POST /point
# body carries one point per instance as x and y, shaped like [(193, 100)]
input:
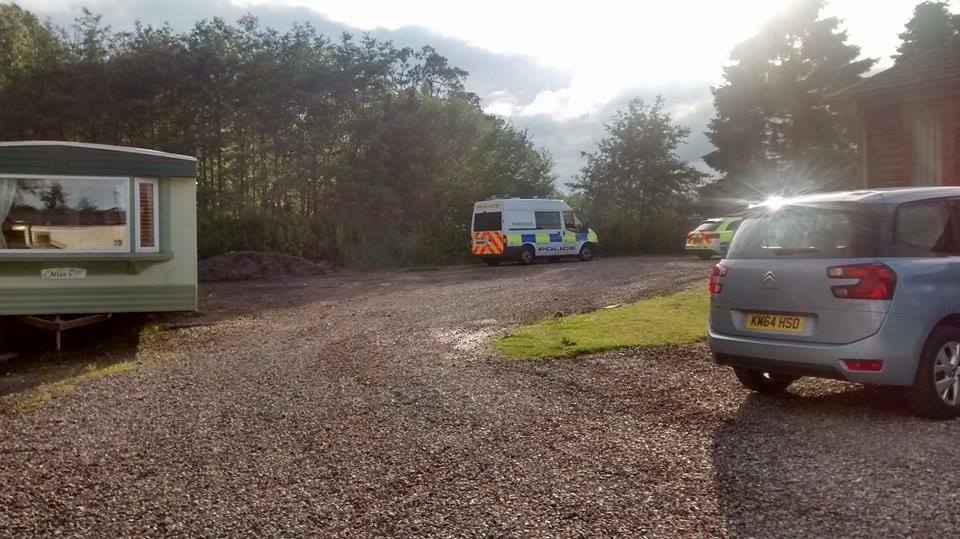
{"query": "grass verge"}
[(673, 319)]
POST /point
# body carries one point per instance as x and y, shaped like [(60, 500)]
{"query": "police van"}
[(522, 229)]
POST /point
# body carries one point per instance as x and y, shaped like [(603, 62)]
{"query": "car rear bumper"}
[(898, 343)]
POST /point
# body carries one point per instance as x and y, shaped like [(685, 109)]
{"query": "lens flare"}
[(774, 202)]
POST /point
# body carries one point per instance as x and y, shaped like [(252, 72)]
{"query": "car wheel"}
[(526, 256), (763, 382), (936, 389), (492, 261), (586, 252)]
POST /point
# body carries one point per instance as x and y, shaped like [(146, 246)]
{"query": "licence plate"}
[(781, 323)]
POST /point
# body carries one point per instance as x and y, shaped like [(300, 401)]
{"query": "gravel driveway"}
[(372, 404)]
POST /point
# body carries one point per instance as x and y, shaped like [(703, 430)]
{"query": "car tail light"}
[(716, 277), (874, 281), (863, 365)]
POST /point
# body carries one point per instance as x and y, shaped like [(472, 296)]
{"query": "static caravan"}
[(94, 229)]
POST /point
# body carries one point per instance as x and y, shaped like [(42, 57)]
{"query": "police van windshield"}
[(809, 231), (486, 222)]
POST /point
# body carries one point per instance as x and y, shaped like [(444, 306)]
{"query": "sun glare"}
[(774, 202)]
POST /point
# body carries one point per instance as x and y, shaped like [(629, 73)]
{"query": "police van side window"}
[(570, 221), (548, 220)]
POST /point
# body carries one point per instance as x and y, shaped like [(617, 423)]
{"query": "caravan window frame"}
[(125, 248), (137, 182)]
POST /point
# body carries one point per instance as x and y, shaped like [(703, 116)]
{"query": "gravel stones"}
[(364, 405)]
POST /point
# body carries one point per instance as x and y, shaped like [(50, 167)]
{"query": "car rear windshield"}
[(809, 231), (707, 226), (486, 222)]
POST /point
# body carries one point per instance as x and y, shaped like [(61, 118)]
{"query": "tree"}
[(349, 149), (53, 197), (25, 42), (635, 188), (932, 24), (85, 205), (774, 133)]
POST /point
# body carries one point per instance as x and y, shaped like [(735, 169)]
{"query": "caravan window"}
[(71, 215), (548, 220), (487, 222), (148, 223)]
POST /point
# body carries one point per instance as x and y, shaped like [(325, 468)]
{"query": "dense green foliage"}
[(359, 152), (932, 24), (774, 131), (634, 188), (352, 150)]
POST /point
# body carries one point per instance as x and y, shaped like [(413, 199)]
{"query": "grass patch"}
[(48, 391), (677, 318)]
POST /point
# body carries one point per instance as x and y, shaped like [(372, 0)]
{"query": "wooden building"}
[(909, 120)]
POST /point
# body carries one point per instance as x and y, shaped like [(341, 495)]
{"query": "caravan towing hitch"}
[(59, 325)]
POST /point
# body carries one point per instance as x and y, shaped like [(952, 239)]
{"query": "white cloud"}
[(607, 45), (502, 103)]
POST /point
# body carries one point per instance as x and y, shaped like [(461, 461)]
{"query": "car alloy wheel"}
[(946, 370)]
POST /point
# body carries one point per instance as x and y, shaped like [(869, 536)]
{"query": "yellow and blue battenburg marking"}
[(493, 242)]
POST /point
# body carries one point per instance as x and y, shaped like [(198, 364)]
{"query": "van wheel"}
[(936, 389), (526, 256), (492, 261), (763, 382), (586, 252)]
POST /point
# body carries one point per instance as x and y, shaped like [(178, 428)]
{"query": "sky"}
[(558, 69)]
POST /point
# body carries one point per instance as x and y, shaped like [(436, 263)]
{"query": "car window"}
[(548, 220), (925, 227), (734, 225), (834, 231), (486, 222), (707, 226)]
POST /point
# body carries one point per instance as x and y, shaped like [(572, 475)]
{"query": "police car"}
[(523, 229), (712, 237)]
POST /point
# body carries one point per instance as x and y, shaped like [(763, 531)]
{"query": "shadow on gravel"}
[(851, 461), (88, 350)]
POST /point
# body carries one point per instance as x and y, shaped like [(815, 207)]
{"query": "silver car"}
[(861, 286)]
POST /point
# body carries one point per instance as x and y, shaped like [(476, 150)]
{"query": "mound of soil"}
[(246, 265)]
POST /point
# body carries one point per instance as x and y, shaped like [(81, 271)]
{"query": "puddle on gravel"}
[(468, 339)]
